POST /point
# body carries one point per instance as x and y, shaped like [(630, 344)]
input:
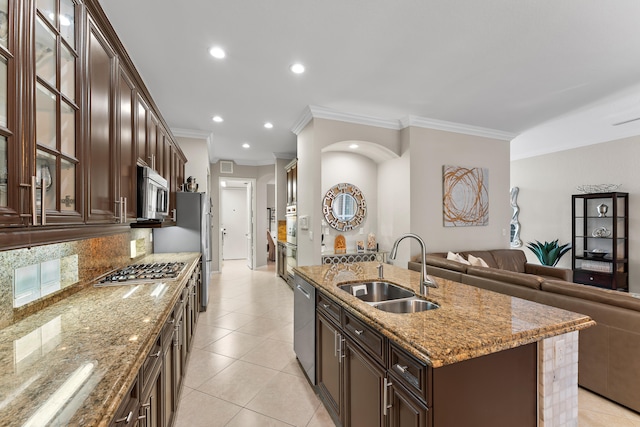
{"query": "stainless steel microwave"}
[(153, 195)]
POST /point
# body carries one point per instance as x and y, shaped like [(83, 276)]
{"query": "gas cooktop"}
[(142, 273)]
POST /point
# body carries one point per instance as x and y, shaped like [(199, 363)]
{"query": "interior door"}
[(234, 214)]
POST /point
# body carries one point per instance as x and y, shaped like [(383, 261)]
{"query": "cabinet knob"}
[(359, 331)]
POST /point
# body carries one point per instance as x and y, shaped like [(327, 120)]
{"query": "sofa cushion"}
[(605, 296), (546, 272), (522, 279), (441, 262), (510, 259)]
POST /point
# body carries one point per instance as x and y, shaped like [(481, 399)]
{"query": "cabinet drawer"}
[(366, 337), (409, 371), (151, 362), (328, 306), (592, 278)]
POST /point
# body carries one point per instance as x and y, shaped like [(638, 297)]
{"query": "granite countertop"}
[(470, 322), (85, 350)]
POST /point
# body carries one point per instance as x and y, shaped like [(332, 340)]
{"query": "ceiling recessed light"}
[(217, 119), (297, 68), (217, 52), (353, 146), (245, 145), (268, 125)]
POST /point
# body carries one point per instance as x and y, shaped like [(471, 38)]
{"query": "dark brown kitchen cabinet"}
[(329, 367), (151, 411), (58, 150), (11, 150), (126, 180), (141, 125), (101, 168), (292, 182), (75, 117), (127, 412), (282, 260), (404, 409), (364, 382)]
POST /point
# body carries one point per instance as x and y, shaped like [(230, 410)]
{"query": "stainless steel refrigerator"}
[(192, 233)]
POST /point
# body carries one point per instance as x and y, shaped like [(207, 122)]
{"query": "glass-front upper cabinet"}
[(8, 149), (56, 110)]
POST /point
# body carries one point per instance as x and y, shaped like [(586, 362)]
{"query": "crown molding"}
[(329, 114), (426, 123), (302, 121), (316, 112), (192, 133)]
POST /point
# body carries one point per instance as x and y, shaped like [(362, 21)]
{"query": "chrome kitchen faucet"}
[(426, 282)]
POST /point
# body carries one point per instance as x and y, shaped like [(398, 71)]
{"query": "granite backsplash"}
[(81, 261)]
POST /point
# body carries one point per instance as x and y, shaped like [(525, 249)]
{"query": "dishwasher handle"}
[(305, 293)]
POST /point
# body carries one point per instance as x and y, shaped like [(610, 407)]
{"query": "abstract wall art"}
[(465, 196)]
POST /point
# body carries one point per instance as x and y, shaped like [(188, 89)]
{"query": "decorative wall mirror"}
[(344, 207)]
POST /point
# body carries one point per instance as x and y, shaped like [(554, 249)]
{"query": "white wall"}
[(263, 175), (430, 151), (362, 172), (394, 205), (547, 182), (197, 164)]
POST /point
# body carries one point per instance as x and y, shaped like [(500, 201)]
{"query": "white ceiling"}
[(510, 65)]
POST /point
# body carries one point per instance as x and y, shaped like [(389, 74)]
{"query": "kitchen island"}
[(479, 359), (77, 361)]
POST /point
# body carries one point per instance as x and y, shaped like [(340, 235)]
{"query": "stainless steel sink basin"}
[(409, 305), (376, 291)]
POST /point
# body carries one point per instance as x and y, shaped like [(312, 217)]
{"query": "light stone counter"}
[(84, 352), (470, 322)]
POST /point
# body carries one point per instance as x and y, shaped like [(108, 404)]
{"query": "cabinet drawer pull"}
[(401, 368), (326, 306), (126, 419), (359, 331), (156, 354)]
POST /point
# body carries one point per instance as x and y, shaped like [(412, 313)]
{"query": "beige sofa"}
[(609, 353)]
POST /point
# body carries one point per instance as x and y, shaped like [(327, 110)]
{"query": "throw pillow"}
[(457, 257), (477, 261)]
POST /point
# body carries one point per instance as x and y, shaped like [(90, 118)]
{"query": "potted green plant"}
[(549, 253)]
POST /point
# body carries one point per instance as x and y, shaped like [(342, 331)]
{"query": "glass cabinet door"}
[(56, 109), (7, 200)]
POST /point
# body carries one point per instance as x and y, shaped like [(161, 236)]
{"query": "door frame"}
[(252, 208)]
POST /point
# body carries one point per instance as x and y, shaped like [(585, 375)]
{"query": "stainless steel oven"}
[(292, 258), (292, 225)]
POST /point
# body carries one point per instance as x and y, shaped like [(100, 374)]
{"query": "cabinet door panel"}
[(364, 382), (127, 176), (405, 409), (329, 366), (142, 130), (100, 145)]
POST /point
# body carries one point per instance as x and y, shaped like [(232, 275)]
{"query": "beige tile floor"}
[(243, 372)]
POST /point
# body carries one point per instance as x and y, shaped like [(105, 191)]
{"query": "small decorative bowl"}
[(596, 255)]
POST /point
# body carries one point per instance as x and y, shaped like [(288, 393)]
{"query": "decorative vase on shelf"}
[(602, 210)]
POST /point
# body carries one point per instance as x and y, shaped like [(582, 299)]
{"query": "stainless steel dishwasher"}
[(304, 326)]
